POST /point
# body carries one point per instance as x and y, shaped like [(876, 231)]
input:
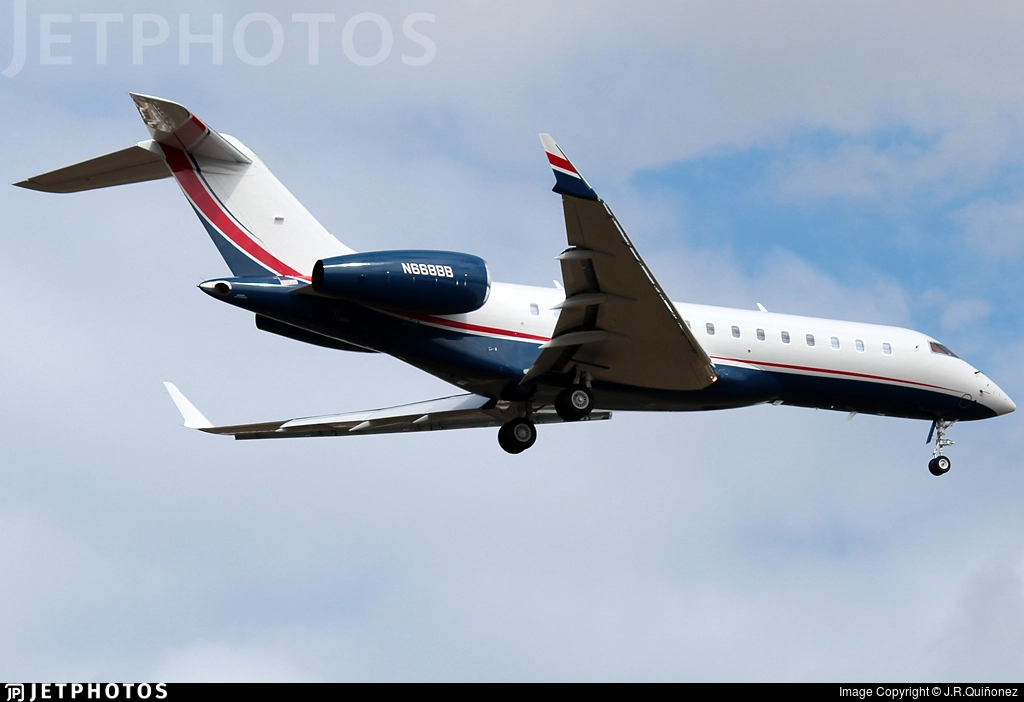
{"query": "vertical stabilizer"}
[(257, 224)]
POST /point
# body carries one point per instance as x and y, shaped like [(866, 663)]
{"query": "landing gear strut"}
[(940, 464), (517, 436)]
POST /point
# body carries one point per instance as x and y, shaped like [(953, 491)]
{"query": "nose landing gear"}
[(940, 464)]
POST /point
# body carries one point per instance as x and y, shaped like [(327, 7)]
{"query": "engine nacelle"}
[(419, 282)]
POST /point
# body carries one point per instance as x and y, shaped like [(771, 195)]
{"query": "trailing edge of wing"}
[(455, 412)]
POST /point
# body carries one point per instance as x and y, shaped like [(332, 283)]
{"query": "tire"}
[(574, 403), (517, 436), (939, 465)]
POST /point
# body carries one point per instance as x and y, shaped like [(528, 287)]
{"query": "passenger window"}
[(939, 348), (534, 309), (835, 342), (785, 337), (810, 339), (859, 344), (760, 334), (711, 328), (887, 348), (735, 332)]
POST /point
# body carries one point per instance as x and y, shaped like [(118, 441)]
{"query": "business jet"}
[(608, 337)]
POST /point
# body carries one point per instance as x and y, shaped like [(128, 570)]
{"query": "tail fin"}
[(256, 223)]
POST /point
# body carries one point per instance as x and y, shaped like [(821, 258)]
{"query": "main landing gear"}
[(940, 464), (574, 403), (518, 435)]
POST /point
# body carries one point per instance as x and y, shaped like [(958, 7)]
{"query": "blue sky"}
[(859, 161), (743, 201)]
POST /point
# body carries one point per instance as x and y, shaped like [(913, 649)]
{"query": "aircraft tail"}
[(256, 223)]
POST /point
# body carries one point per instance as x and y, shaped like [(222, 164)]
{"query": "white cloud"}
[(251, 661), (985, 637)]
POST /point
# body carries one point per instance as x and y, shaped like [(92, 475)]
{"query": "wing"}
[(456, 412), (616, 321)]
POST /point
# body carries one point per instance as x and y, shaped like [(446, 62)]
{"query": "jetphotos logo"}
[(255, 39), (18, 692)]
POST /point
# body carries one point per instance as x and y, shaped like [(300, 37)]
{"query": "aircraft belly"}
[(740, 387), (872, 397), (735, 387), (450, 354)]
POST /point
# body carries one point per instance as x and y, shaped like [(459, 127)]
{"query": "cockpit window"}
[(939, 348)]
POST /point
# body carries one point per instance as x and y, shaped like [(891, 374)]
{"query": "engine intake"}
[(414, 281)]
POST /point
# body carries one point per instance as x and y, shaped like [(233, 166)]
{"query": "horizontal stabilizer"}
[(257, 225), (173, 125), (455, 412), (136, 164)]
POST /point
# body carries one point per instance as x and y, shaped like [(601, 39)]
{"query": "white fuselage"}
[(816, 347)]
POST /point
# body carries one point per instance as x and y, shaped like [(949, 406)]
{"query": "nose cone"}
[(993, 397), (1002, 404)]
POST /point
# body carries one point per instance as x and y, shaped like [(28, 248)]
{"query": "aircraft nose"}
[(1003, 403), (997, 400)]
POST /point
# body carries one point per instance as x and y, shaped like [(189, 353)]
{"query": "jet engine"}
[(413, 281)]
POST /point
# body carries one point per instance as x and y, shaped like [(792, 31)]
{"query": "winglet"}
[(568, 180), (194, 419)]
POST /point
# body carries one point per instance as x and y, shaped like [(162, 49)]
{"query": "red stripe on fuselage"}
[(465, 326), (829, 371), (560, 162), (189, 180)]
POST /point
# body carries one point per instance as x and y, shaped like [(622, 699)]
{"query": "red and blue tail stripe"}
[(246, 256)]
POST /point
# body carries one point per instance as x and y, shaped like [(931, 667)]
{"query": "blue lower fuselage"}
[(489, 365)]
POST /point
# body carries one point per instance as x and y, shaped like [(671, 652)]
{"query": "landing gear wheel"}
[(517, 436), (574, 403), (939, 465)]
